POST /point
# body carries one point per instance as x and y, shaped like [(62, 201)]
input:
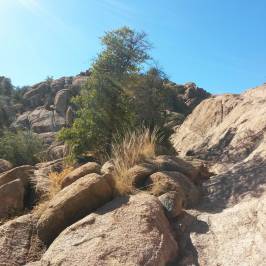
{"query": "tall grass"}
[(135, 147), (48, 187)]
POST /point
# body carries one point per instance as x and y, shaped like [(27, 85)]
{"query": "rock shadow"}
[(183, 227), (229, 188)]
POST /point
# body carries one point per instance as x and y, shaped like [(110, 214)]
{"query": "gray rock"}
[(173, 203)]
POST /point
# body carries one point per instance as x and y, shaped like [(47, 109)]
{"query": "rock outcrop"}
[(229, 132), (126, 231), (225, 129), (46, 104)]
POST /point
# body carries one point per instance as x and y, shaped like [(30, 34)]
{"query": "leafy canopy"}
[(104, 106)]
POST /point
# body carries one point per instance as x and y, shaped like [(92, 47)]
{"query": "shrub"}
[(135, 147), (21, 147)]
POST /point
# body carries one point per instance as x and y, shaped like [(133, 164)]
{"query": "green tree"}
[(6, 88), (104, 107), (149, 98)]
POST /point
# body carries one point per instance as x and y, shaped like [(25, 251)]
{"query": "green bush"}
[(21, 147)]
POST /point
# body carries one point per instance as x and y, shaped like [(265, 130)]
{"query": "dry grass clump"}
[(49, 186), (56, 180), (136, 147)]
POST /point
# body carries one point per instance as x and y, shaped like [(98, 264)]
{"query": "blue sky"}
[(219, 44)]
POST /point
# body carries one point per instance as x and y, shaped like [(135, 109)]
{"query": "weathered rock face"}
[(229, 132), (230, 226), (72, 203), (20, 172), (225, 128), (4, 165), (18, 242), (126, 231), (235, 237)]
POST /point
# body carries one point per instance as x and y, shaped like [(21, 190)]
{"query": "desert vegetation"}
[(122, 93), (136, 147), (20, 147)]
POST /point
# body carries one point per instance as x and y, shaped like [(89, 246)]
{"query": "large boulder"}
[(21, 172), (5, 165), (125, 231), (18, 242), (72, 203), (61, 101), (47, 137), (14, 185), (40, 179), (88, 168), (11, 198), (56, 151)]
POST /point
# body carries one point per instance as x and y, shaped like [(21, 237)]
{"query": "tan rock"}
[(162, 182), (226, 128), (81, 171), (5, 166), (18, 242), (235, 236), (20, 172), (72, 203), (173, 163), (126, 231), (11, 198), (61, 101)]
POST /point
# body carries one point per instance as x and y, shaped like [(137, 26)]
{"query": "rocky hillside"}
[(205, 206), (46, 107)]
